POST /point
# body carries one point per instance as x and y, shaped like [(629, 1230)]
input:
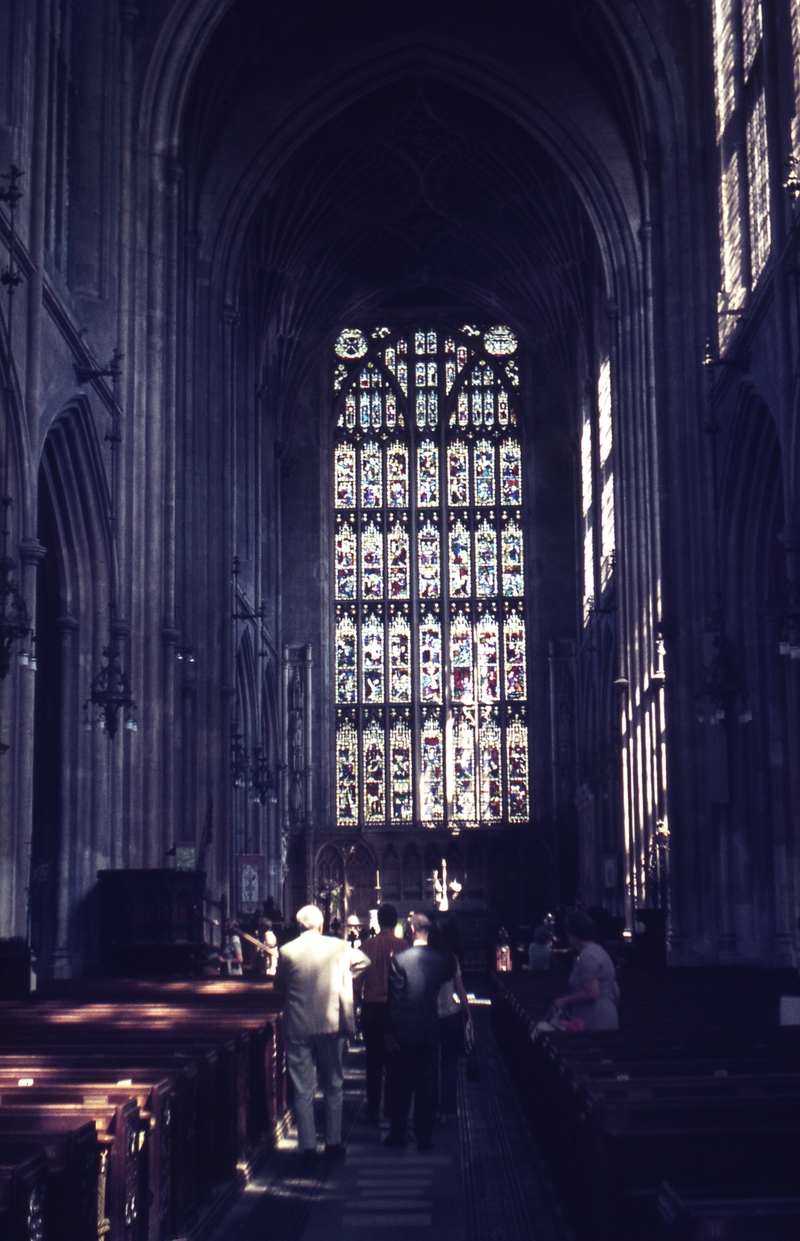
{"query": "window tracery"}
[(430, 662)]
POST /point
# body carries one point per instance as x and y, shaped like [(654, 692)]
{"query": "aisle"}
[(482, 1182)]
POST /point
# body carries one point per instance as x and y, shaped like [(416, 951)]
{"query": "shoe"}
[(335, 1150), (395, 1139), (308, 1158), (424, 1146)]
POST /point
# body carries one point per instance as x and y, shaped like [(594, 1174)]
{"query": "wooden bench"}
[(23, 1176), (705, 1101)]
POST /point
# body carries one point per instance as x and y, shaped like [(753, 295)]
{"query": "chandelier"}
[(110, 692)]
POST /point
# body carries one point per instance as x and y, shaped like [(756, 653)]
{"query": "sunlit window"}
[(587, 506), (429, 578), (605, 443), (742, 144)]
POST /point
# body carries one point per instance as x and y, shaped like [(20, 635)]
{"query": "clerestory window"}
[(430, 641)]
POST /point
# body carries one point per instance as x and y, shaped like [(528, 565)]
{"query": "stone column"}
[(31, 553), (786, 835), (60, 961)]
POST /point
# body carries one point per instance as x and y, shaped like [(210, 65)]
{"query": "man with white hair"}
[(315, 975)]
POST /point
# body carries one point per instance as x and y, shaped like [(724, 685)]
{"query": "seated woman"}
[(540, 950), (594, 993)]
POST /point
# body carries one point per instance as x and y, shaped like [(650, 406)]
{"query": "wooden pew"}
[(23, 1176), (687, 1217), (74, 1190), (705, 1095), (203, 1065)]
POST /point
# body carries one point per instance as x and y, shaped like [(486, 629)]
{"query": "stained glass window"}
[(346, 771), (400, 768), (430, 661), (346, 640)]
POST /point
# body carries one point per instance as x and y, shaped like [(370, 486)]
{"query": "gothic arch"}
[(76, 821)]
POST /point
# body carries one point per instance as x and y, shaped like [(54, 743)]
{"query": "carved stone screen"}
[(430, 644)]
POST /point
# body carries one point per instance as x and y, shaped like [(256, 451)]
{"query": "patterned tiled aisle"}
[(482, 1182)]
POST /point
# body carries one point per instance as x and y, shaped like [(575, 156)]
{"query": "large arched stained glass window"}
[(431, 673)]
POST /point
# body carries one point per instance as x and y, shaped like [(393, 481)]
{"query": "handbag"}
[(473, 1068), (552, 1022)]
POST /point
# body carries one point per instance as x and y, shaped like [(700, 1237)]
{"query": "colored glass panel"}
[(427, 474), (512, 559), (422, 410), (460, 567), (500, 341), (433, 409), (399, 660), (371, 562), (488, 409), (374, 776), (351, 343), (397, 475), (449, 374), (419, 374), (346, 773), (463, 408), (432, 770), (402, 376), (458, 474), (430, 660), (350, 411), (345, 466), (514, 656), (432, 375), (428, 556), (461, 659), (398, 562), (431, 342), (372, 660), (339, 376), (391, 410), (491, 778), (390, 357), (463, 770), (363, 410), (345, 562), (502, 407), (400, 768), (510, 473), (517, 767), (486, 561), (345, 660), (484, 472), (488, 641), (371, 476)]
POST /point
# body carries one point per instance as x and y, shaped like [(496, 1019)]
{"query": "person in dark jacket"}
[(415, 977)]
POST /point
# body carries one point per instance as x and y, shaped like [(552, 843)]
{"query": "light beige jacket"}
[(315, 974)]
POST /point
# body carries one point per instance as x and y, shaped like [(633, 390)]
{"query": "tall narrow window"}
[(430, 664), (743, 152)]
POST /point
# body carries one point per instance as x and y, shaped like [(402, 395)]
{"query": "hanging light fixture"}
[(111, 692), (15, 621)]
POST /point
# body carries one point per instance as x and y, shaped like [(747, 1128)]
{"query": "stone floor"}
[(482, 1182)]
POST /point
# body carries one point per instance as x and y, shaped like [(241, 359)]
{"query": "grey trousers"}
[(323, 1053)]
